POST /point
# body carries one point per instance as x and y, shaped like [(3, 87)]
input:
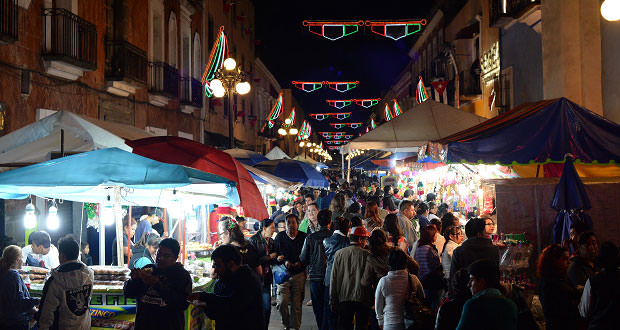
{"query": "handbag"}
[(280, 274), (416, 311)]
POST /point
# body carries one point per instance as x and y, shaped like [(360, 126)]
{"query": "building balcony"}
[(8, 21), (69, 44), (163, 83), (191, 94), (504, 12), (125, 67)]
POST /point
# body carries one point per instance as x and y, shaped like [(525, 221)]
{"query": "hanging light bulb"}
[(52, 217), (106, 213), (30, 217)]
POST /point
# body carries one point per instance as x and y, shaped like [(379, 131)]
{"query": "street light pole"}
[(231, 119)]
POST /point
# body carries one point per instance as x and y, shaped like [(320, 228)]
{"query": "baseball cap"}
[(359, 231)]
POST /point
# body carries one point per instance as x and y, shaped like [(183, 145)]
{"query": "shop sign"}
[(490, 63)]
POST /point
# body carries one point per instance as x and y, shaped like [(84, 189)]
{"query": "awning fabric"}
[(538, 133), (425, 122)]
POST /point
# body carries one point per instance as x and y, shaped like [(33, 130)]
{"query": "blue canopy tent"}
[(115, 176), (538, 133), (294, 171), (246, 157)]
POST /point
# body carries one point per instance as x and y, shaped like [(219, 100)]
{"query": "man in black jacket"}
[(238, 289), (333, 244), (263, 243), (475, 247), (313, 255), (161, 290)]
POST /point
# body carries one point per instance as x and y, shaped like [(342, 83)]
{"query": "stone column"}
[(571, 49)]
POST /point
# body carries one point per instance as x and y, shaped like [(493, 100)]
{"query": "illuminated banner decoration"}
[(339, 104), (342, 86), (420, 95), (331, 134), (333, 30), (305, 131), (308, 86), (336, 142), (341, 125), (366, 103), (396, 29), (387, 113), (291, 117), (275, 112), (372, 123), (339, 116), (333, 147), (216, 61), (397, 111)]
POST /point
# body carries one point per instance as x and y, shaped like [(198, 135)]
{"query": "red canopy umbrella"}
[(177, 150)]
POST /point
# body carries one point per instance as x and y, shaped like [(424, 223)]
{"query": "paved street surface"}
[(307, 318)]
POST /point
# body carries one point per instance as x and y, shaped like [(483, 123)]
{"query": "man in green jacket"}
[(488, 308)]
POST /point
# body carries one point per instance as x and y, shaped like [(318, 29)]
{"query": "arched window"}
[(197, 57), (172, 41)]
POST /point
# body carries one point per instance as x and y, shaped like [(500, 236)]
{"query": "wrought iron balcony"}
[(69, 38), (502, 12), (163, 79), (8, 21), (125, 61), (191, 92)]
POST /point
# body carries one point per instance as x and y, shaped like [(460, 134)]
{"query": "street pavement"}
[(308, 322)]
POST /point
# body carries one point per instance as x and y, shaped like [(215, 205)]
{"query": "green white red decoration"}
[(366, 103), (308, 86), (337, 115), (395, 29), (305, 131), (275, 112), (397, 111), (216, 61), (333, 30), (420, 95), (342, 86), (388, 113), (291, 117)]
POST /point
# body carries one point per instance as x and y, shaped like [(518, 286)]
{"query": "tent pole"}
[(342, 162), (101, 238), (349, 171), (119, 227)]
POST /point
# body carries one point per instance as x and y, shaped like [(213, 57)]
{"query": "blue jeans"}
[(329, 318), (267, 304), (317, 290)]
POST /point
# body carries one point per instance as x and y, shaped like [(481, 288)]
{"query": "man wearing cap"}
[(348, 298)]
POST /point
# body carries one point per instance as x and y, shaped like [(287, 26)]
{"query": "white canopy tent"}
[(35, 142), (277, 153), (428, 121), (310, 161)]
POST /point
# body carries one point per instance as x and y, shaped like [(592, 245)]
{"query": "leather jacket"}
[(264, 246), (332, 245), (313, 254)]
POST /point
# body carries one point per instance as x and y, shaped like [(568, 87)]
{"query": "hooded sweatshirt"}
[(163, 305), (65, 298)]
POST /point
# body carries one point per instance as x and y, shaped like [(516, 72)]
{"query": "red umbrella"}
[(177, 150)]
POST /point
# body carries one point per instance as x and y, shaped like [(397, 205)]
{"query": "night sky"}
[(291, 52)]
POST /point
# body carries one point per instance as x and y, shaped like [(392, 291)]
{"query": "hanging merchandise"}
[(291, 118), (342, 86), (396, 29), (420, 95), (366, 103), (333, 30), (339, 104), (216, 61), (308, 86), (339, 116), (388, 113), (397, 111)]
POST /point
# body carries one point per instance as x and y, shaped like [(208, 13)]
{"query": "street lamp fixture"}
[(228, 81), (282, 131), (293, 131), (301, 144), (610, 10)]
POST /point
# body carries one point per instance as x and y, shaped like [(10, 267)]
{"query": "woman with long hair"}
[(371, 218), (454, 238), (230, 233), (558, 297), (337, 206), (396, 238), (431, 271), (16, 305)]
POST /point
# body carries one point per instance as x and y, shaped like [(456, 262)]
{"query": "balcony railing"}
[(125, 61), (191, 92), (163, 79), (69, 38), (8, 21), (503, 11)]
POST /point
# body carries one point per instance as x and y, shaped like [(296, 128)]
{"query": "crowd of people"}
[(372, 258)]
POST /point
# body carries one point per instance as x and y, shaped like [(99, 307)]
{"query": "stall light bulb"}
[(192, 223), (30, 218), (107, 215), (52, 218)]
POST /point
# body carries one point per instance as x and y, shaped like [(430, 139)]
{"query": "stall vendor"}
[(40, 252)]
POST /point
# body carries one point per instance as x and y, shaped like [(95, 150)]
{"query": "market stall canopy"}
[(272, 179), (538, 133), (310, 161), (277, 153), (177, 150), (246, 157), (428, 121), (88, 177), (295, 171), (33, 143)]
